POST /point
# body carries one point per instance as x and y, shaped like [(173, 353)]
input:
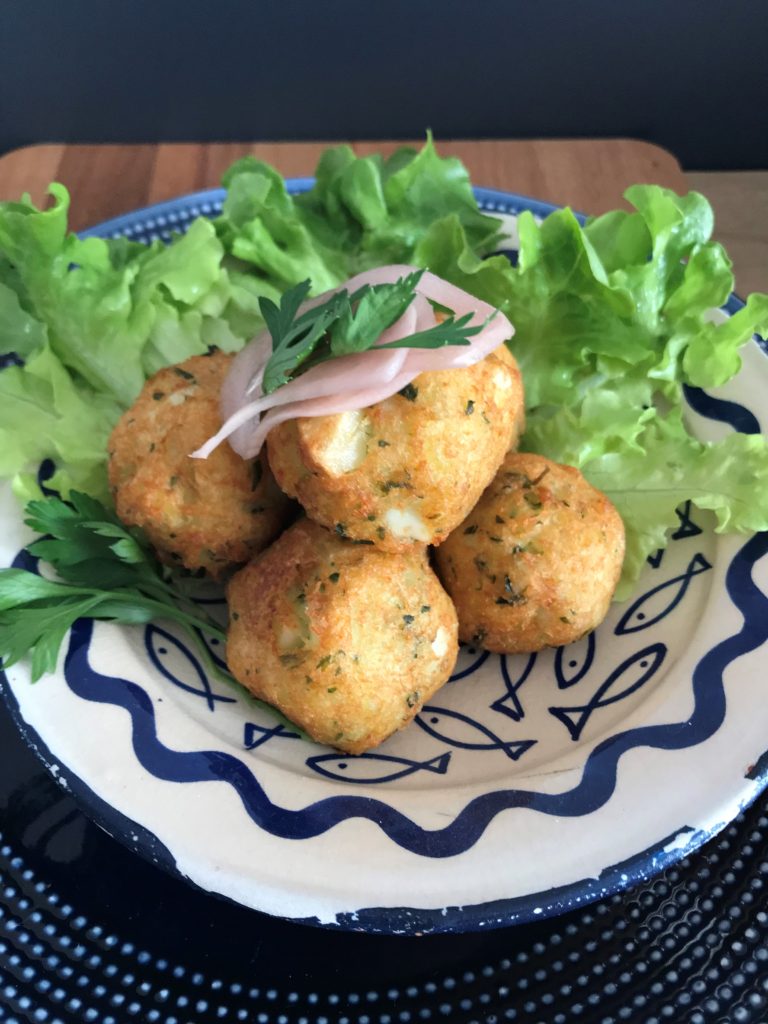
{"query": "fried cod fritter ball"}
[(209, 514), (407, 470), (346, 640), (536, 562)]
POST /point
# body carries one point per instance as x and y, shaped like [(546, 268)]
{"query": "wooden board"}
[(740, 202), (588, 174)]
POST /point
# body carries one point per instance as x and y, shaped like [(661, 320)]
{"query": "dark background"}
[(690, 75)]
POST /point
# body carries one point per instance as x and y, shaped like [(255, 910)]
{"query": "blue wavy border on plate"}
[(402, 920), (709, 710), (593, 790), (599, 777)]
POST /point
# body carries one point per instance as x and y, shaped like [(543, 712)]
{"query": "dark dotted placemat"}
[(90, 933)]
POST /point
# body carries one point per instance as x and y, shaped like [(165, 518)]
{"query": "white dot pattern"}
[(689, 945)]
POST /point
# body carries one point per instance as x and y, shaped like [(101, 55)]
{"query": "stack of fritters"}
[(341, 622)]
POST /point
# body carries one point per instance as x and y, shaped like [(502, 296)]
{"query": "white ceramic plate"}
[(529, 785)]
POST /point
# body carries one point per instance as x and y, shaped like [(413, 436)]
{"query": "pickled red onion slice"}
[(325, 405), (354, 381), (328, 381)]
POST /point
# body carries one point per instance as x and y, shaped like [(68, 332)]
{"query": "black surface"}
[(690, 75), (90, 933)]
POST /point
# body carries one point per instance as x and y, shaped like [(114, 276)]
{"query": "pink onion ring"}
[(354, 381), (322, 406)]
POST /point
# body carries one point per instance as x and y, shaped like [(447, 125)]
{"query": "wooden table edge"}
[(106, 179)]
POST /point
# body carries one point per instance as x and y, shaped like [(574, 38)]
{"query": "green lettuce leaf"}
[(362, 212), (29, 333), (610, 320), (647, 485), (712, 349), (260, 224), (45, 414), (100, 299), (648, 464), (93, 318)]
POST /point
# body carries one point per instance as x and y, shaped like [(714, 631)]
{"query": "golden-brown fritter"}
[(406, 470), (346, 640), (209, 514), (536, 562)]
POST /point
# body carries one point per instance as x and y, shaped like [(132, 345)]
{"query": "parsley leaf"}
[(379, 307), (279, 319), (105, 571), (87, 543), (294, 340), (449, 332), (346, 324)]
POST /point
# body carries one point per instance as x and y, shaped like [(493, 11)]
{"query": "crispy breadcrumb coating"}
[(536, 562), (407, 470), (210, 514), (346, 640)]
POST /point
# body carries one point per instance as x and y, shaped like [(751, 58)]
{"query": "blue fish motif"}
[(477, 659), (44, 473), (10, 359), (574, 661), (165, 652), (370, 768), (467, 734), (218, 600), (656, 558), (256, 735), (213, 644), (687, 527), (633, 673), (509, 703), (720, 409), (657, 603), (26, 561)]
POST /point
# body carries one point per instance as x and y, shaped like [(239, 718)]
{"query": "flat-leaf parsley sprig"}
[(105, 571), (346, 324)]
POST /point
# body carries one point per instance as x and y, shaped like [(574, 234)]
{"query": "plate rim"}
[(388, 920), (400, 921)]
